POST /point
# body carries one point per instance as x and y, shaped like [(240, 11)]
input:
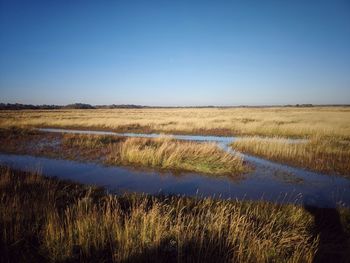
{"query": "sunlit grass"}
[(166, 153), (320, 154), (282, 121)]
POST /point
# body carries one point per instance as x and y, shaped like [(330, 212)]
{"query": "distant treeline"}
[(18, 106)]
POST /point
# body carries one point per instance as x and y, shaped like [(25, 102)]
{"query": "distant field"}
[(328, 155), (277, 121)]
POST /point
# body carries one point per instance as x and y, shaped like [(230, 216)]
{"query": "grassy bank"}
[(318, 154), (44, 219), (163, 153), (160, 153), (274, 121)]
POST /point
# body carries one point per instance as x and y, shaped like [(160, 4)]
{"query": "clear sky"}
[(175, 52)]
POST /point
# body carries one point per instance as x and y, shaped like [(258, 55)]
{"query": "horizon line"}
[(97, 106)]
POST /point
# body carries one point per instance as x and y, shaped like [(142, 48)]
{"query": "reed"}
[(44, 219), (319, 154), (166, 153)]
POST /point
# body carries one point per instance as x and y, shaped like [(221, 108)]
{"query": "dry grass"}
[(44, 219), (319, 154), (283, 121), (166, 153), (161, 153)]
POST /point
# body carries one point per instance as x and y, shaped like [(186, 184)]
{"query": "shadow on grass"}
[(334, 242), (191, 251), (167, 251)]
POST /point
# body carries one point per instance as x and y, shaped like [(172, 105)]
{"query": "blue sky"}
[(175, 52)]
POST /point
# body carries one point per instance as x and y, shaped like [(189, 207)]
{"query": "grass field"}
[(277, 121), (44, 220)]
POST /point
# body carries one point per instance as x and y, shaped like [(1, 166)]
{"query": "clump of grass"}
[(166, 153), (321, 154), (43, 219)]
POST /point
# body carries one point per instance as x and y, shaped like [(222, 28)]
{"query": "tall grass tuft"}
[(166, 153)]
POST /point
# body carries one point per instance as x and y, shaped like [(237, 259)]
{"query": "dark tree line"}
[(19, 106)]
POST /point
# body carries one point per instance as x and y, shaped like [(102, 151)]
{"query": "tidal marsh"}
[(44, 219), (273, 121), (327, 128), (47, 219)]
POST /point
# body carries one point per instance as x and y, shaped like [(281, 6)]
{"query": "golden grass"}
[(319, 154), (277, 121), (44, 219), (166, 153)]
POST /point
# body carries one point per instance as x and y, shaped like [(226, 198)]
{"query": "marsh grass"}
[(160, 153), (90, 141), (166, 153), (321, 154), (274, 121), (44, 219)]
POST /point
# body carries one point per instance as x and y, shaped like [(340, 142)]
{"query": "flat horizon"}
[(180, 106)]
